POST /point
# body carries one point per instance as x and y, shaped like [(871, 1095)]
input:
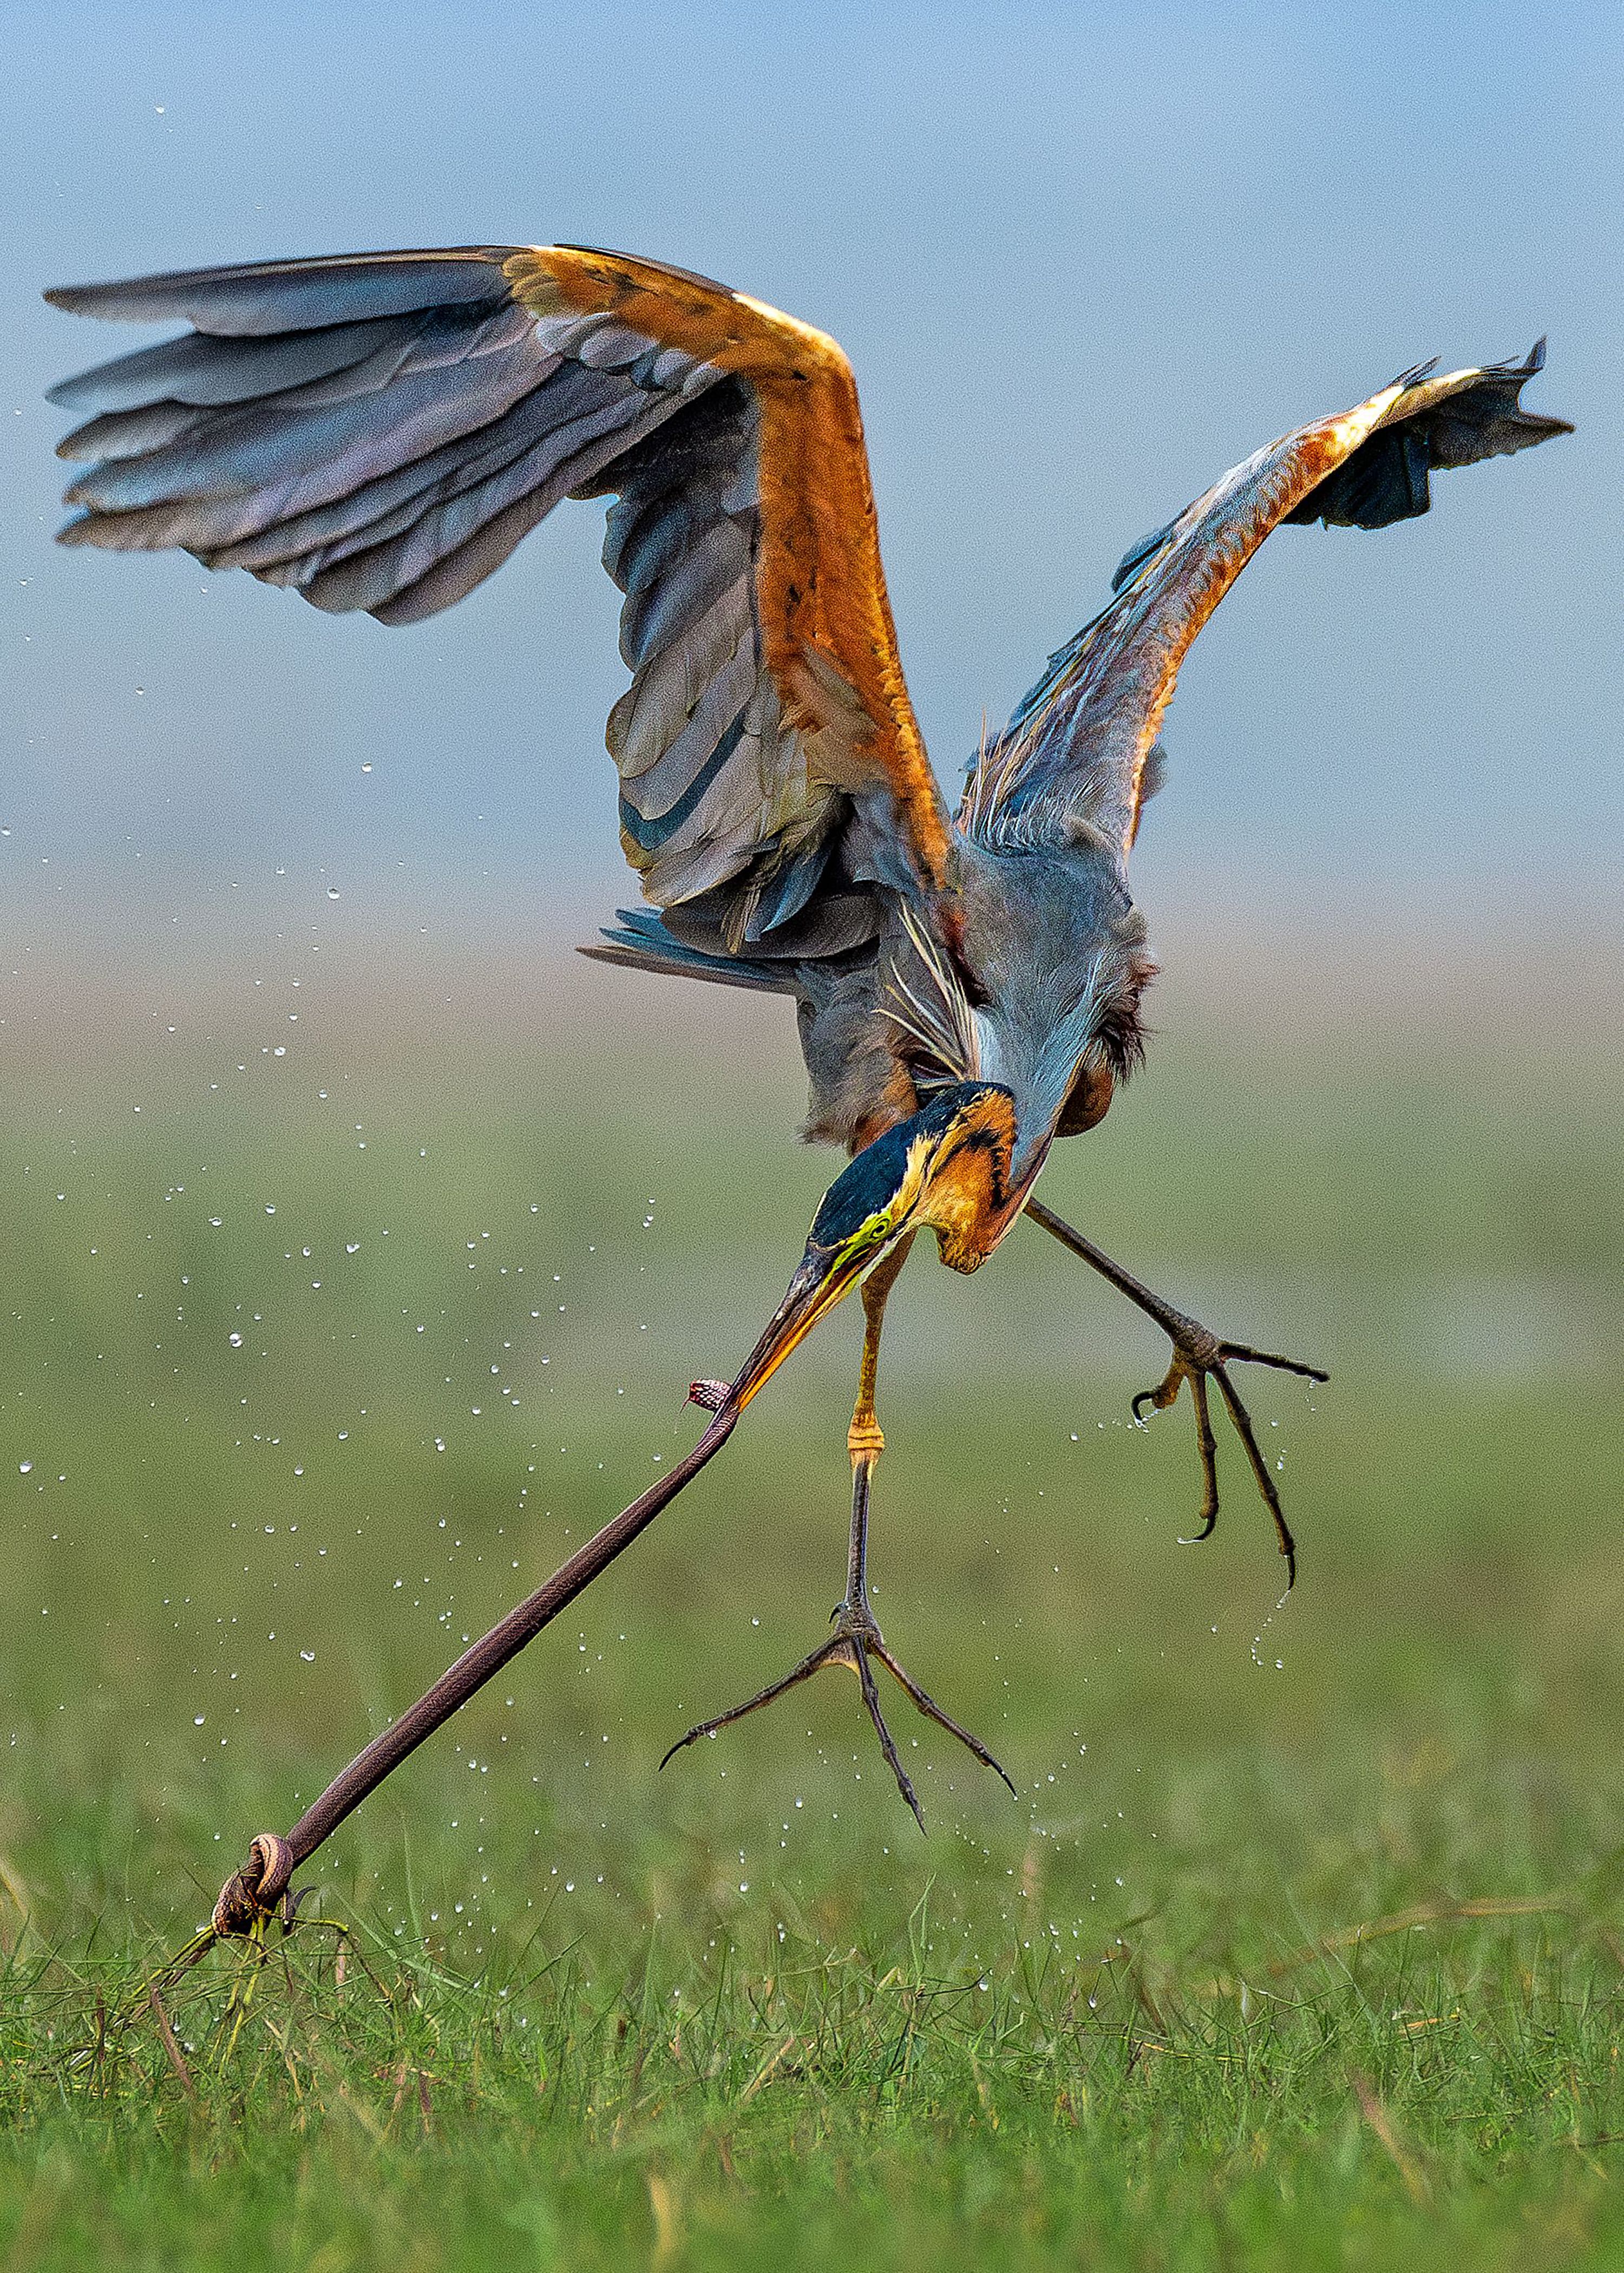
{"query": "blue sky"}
[(1084, 258)]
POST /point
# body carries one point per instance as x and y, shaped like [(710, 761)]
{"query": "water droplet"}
[(23, 1467), (236, 1341), (332, 895)]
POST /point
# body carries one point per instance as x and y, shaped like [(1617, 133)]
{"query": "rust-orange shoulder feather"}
[(828, 636)]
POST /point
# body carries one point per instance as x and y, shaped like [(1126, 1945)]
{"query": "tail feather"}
[(640, 941)]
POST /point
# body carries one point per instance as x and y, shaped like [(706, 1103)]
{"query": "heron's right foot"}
[(1198, 1352), (855, 1642)]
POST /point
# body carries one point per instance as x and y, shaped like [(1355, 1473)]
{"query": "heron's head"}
[(947, 1167)]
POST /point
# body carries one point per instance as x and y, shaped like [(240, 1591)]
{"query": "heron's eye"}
[(1089, 1099)]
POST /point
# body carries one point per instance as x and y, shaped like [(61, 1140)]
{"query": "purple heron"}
[(379, 430)]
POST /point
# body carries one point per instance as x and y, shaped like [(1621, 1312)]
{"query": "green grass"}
[(1302, 1947)]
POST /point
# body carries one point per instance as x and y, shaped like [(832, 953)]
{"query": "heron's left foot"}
[(855, 1642), (1198, 1354)]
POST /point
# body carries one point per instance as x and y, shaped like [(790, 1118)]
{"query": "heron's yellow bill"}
[(919, 1172)]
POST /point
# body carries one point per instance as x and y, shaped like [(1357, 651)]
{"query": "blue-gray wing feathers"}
[(1080, 754), (378, 433)]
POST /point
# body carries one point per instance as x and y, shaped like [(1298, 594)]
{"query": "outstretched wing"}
[(1080, 752), (379, 430)]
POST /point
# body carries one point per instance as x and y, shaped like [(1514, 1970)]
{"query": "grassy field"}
[(1303, 1945)]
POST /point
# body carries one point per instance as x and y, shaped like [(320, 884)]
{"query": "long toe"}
[(827, 1652), (932, 1711), (871, 1698)]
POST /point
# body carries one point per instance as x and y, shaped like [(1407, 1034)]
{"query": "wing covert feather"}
[(379, 432)]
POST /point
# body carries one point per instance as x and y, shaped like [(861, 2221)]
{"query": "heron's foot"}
[(1198, 1354), (855, 1642)]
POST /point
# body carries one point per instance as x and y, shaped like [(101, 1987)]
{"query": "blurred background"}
[(361, 1240)]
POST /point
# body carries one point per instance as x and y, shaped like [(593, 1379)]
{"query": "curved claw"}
[(1166, 1390)]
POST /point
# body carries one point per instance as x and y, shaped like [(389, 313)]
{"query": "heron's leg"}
[(1197, 1353), (855, 1638)]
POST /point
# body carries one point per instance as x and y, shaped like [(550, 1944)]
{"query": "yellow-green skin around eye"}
[(880, 1227), (871, 1201), (924, 1170)]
